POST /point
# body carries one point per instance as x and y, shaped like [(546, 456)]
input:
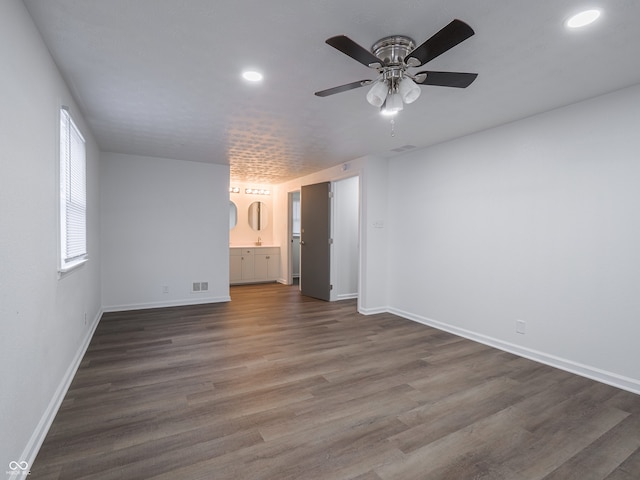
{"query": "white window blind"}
[(296, 216), (73, 194)]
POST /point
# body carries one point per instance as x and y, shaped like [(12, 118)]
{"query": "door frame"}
[(289, 243), (289, 266), (333, 270)]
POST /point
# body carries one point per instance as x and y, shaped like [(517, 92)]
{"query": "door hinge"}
[(330, 194), (331, 241)]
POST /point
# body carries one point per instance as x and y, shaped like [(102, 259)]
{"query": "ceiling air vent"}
[(403, 148)]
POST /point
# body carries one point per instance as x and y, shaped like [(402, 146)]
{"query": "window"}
[(296, 214), (73, 194)]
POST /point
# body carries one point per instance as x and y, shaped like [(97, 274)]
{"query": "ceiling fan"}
[(392, 57)]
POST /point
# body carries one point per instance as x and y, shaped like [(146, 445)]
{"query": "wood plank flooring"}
[(274, 385)]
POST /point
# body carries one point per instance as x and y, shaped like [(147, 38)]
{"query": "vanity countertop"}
[(254, 246)]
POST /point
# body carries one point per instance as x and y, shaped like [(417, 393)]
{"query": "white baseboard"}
[(372, 311), (347, 296), (37, 438), (168, 303), (593, 373)]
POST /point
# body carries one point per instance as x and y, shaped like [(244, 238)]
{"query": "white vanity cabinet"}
[(235, 265), (240, 264), (254, 264), (266, 263)]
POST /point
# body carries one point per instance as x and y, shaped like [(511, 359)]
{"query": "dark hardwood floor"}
[(273, 385)]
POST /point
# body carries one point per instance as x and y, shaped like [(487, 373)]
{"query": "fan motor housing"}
[(392, 50)]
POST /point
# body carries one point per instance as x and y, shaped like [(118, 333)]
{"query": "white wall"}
[(43, 332), (537, 220), (374, 277), (345, 255), (165, 223)]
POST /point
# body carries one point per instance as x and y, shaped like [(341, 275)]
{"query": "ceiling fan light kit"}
[(392, 105), (408, 90), (393, 56), (378, 93)]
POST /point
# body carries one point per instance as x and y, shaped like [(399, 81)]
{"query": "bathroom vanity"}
[(253, 264)]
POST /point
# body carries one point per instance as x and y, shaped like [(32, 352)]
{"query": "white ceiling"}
[(162, 77)]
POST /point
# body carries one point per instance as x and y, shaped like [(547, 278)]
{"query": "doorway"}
[(294, 238), (339, 269)]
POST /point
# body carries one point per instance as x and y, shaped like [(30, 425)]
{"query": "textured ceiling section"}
[(162, 77), (263, 155)]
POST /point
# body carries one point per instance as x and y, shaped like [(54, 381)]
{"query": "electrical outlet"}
[(165, 289), (521, 327)]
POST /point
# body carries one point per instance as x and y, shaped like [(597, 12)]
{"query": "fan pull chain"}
[(393, 127)]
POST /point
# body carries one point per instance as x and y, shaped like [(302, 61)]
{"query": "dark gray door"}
[(315, 240)]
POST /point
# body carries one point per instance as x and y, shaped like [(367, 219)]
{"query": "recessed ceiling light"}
[(252, 76), (583, 19)]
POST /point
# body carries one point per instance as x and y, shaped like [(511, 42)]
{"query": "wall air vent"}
[(199, 287)]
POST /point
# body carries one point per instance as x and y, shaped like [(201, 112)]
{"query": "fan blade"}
[(355, 51), (446, 79), (450, 36), (343, 88)]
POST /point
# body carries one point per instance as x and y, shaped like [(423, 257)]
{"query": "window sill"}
[(63, 271)]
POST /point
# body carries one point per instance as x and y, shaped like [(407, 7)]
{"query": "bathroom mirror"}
[(233, 215), (258, 217)]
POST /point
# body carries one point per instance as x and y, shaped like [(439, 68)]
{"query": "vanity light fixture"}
[(257, 191), (583, 19)]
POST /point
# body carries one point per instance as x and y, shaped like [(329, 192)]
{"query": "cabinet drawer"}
[(267, 251), (240, 251)]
